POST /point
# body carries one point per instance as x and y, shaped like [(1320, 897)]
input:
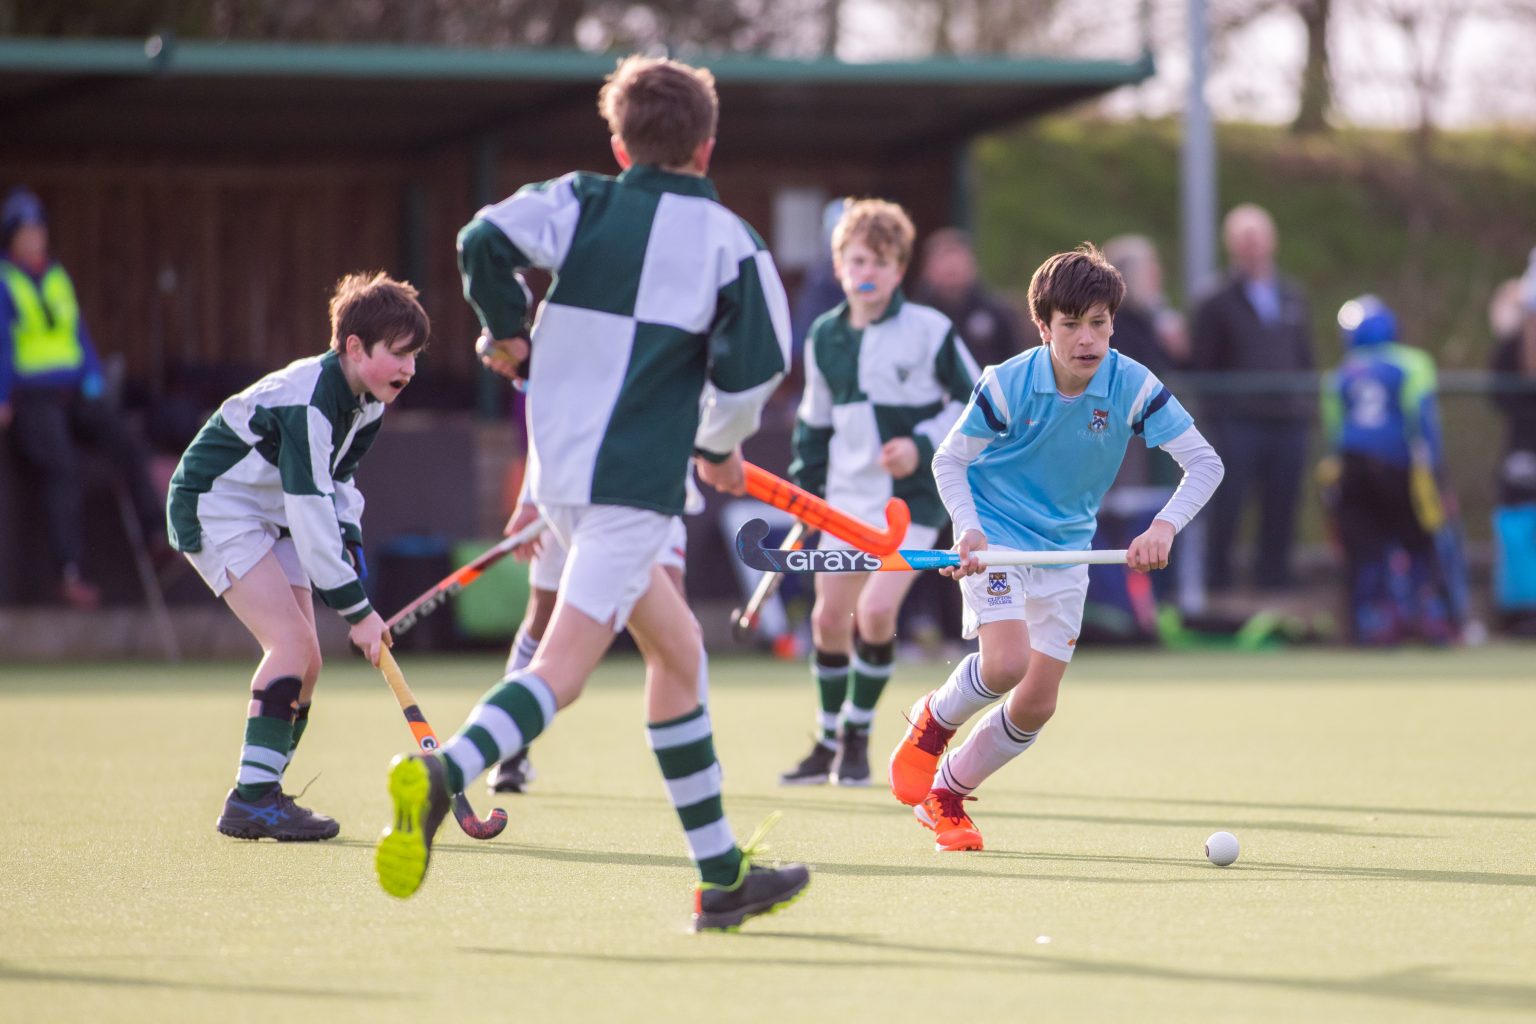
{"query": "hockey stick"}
[(449, 585), (744, 620), (818, 515), (749, 548), (474, 826)]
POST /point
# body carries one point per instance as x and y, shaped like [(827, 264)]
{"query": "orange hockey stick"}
[(817, 514)]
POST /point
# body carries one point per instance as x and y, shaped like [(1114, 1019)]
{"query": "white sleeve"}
[(1203, 470), (349, 505), (729, 418), (816, 400), (936, 428), (951, 468), (539, 219), (749, 354)]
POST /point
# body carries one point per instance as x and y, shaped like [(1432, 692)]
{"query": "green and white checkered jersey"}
[(283, 452), (658, 290), (908, 374)]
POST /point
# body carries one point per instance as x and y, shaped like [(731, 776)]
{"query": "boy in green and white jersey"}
[(658, 291), (885, 379), (264, 506)]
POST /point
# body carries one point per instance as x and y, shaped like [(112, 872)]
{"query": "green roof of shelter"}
[(234, 96)]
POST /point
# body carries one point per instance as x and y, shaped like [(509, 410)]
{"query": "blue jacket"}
[(1380, 401)]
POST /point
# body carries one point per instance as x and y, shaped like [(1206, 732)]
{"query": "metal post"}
[(1197, 177), (1197, 193), (962, 195)]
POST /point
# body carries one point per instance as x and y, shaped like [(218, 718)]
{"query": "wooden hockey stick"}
[(473, 825)]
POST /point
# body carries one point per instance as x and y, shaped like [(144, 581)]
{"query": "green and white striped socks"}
[(269, 738), (866, 682), (507, 719), (685, 750), (831, 670)]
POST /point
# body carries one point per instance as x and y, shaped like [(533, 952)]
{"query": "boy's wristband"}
[(709, 456)]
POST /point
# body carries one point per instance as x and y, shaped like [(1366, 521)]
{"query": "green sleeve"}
[(925, 451), (489, 263), (749, 346), (811, 445), (955, 368)]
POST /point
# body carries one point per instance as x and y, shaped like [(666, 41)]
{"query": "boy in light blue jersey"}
[(1025, 468)]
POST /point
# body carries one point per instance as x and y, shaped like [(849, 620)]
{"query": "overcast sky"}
[(1490, 62)]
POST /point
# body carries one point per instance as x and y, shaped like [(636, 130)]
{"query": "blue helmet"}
[(20, 207), (1366, 321)]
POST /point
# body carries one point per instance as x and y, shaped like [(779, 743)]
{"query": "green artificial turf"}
[(1386, 805)]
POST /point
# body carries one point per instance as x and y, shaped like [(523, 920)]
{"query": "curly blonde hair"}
[(880, 224)]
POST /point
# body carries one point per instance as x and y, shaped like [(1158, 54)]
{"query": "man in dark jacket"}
[(949, 282), (1256, 324)]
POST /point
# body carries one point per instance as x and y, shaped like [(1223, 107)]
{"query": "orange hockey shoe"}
[(944, 813), (916, 757)]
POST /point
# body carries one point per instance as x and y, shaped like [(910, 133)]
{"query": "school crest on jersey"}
[(1100, 421), (997, 584)]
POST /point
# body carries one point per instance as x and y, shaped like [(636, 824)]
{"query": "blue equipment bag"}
[(1514, 559)]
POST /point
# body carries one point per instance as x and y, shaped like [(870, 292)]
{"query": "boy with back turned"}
[(658, 291)]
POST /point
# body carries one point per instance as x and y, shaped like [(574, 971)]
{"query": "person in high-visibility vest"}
[(51, 391)]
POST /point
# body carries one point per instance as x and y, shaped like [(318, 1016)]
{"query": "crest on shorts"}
[(1100, 421), (997, 584)]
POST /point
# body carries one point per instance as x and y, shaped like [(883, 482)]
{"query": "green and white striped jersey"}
[(908, 374), (659, 291), (282, 452)]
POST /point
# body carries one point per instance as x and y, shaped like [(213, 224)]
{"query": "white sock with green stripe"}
[(524, 647), (506, 720), (703, 675), (685, 750)]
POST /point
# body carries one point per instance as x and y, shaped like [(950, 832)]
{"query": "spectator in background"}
[(1146, 328), (1506, 309), (1256, 323), (52, 393), (820, 291), (1514, 519), (1382, 426), (1514, 361), (948, 281)]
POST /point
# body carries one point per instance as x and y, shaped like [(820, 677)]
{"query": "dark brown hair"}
[(1073, 283), (883, 226), (662, 109), (376, 308)]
